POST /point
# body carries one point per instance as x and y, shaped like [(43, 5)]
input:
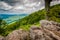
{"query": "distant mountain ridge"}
[(4, 16), (9, 18)]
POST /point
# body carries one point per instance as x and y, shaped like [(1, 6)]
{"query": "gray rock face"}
[(49, 30), (36, 33), (1, 38), (51, 25), (17, 35)]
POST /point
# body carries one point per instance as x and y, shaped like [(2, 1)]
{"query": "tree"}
[(0, 21), (2, 26), (47, 8)]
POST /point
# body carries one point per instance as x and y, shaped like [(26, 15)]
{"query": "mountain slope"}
[(33, 18), (39, 15)]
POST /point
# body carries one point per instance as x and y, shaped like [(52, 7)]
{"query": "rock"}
[(51, 25), (52, 34), (1, 38), (51, 29), (36, 33), (17, 35)]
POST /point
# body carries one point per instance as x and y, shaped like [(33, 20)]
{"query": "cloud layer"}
[(23, 6)]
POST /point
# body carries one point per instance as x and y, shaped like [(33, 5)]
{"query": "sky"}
[(23, 6)]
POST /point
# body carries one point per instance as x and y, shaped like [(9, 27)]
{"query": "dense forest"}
[(31, 19)]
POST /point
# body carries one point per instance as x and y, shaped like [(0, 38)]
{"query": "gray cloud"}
[(25, 6), (13, 2)]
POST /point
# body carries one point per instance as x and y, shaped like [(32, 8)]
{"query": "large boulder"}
[(1, 38), (17, 35), (36, 33), (51, 25), (51, 29)]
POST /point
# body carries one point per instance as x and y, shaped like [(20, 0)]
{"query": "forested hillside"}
[(33, 18), (39, 15)]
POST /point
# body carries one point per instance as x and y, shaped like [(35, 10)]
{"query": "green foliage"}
[(39, 15), (5, 28), (0, 21), (11, 27), (54, 13), (32, 19), (2, 27)]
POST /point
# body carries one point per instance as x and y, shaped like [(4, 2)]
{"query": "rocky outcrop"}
[(36, 33), (1, 38), (49, 30), (17, 35), (51, 25)]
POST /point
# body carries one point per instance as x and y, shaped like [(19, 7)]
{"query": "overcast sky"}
[(22, 6)]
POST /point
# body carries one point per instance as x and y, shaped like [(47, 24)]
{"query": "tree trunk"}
[(47, 8)]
